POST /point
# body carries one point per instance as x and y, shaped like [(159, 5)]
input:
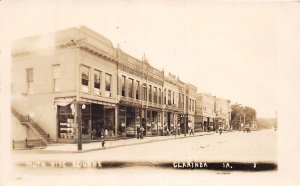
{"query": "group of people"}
[(102, 133)]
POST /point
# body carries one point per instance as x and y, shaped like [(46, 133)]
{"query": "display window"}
[(66, 122)]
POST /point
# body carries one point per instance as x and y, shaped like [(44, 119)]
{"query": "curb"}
[(122, 145)]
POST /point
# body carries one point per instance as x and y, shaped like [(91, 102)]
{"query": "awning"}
[(63, 101)]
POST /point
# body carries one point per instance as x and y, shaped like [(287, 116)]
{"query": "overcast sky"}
[(226, 49)]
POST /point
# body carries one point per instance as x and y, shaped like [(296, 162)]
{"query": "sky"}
[(228, 49)]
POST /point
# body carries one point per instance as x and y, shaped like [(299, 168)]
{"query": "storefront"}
[(97, 122), (151, 122), (129, 119), (198, 123)]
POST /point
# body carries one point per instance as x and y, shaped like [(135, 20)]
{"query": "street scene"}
[(126, 91), (254, 147)]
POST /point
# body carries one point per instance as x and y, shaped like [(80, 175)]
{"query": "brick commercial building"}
[(205, 112), (76, 76), (223, 113)]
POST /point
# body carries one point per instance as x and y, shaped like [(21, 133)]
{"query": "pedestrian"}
[(220, 130), (138, 132), (93, 134), (103, 143), (168, 131), (191, 131), (142, 132), (103, 139)]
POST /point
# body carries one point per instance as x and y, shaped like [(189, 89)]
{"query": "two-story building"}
[(205, 112), (223, 112), (54, 73), (76, 77), (191, 92), (140, 95)]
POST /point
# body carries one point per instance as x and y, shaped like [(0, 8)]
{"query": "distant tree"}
[(238, 112)]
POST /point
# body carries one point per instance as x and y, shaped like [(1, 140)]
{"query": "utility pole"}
[(183, 117), (79, 122), (240, 121)]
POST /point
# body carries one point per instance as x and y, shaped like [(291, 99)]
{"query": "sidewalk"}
[(94, 146)]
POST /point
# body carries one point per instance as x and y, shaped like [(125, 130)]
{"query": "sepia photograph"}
[(157, 92)]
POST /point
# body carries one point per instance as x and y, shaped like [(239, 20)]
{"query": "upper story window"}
[(190, 104), (144, 92), (150, 93), (108, 84), (165, 98), (173, 98), (155, 95), (169, 97), (186, 102), (29, 74), (179, 100), (123, 85), (193, 106), (130, 88), (137, 90), (97, 81), (85, 75), (159, 96), (56, 77)]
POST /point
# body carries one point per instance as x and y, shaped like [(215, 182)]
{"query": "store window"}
[(137, 90), (144, 92), (97, 82), (86, 118), (108, 85), (130, 88), (85, 74), (123, 85), (29, 74), (65, 122), (56, 77), (155, 95), (150, 93)]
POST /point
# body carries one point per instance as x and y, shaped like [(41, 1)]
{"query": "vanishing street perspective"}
[(76, 96)]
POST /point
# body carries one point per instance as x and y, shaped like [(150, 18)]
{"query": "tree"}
[(238, 112)]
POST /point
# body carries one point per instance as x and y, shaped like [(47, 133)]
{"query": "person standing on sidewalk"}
[(103, 139), (142, 132), (191, 131), (138, 132)]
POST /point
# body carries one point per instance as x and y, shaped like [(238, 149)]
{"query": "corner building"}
[(77, 75)]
